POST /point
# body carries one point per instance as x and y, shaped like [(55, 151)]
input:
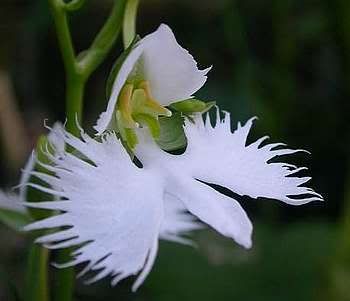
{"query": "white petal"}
[(148, 266), (171, 71), (25, 175), (129, 64), (113, 208), (216, 155), (11, 201), (15, 201), (55, 138), (222, 213), (177, 221)]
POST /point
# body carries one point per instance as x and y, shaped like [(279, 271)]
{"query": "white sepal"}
[(171, 71)]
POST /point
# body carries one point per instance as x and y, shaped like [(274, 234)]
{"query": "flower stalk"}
[(129, 22), (79, 67), (37, 278)]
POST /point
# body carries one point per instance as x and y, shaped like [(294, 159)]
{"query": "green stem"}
[(63, 35), (104, 40), (37, 286), (75, 88), (129, 22), (75, 79), (63, 282)]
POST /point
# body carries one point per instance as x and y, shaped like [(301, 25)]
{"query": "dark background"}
[(285, 61)]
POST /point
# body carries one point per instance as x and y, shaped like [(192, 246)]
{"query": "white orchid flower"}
[(156, 73), (114, 212)]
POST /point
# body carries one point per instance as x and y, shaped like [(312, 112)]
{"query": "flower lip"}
[(133, 210), (171, 71)]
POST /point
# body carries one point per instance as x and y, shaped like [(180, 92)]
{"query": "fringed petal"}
[(217, 155), (113, 209), (177, 221), (222, 213), (11, 201)]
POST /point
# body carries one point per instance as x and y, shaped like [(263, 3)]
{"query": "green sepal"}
[(117, 65), (151, 122), (131, 138), (172, 136), (14, 219), (127, 134), (190, 106), (34, 195), (128, 137)]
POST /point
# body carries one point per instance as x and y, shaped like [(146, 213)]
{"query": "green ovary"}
[(137, 108)]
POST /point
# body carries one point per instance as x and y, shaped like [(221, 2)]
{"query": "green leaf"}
[(116, 67), (191, 106), (14, 219), (172, 136)]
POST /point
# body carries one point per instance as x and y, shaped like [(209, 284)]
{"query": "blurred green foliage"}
[(287, 62)]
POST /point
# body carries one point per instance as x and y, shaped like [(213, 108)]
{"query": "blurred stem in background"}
[(338, 280), (284, 56), (340, 268), (13, 133)]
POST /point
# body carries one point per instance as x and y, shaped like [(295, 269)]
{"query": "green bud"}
[(190, 106)]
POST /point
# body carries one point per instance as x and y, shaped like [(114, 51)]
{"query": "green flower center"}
[(136, 107)]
